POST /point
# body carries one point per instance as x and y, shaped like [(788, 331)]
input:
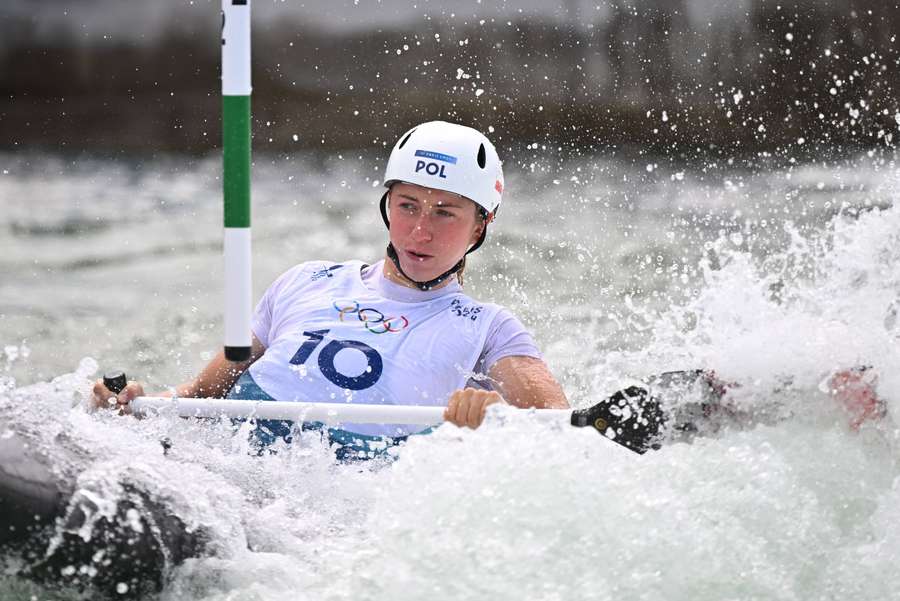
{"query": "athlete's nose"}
[(422, 229)]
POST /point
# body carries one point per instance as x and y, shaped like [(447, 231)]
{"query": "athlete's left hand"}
[(467, 407), (854, 389)]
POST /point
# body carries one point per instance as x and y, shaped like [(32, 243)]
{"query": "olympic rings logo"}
[(373, 319)]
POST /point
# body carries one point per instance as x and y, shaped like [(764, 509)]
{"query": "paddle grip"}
[(115, 381)]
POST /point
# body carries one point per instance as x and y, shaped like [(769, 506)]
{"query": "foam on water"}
[(827, 303), (797, 511)]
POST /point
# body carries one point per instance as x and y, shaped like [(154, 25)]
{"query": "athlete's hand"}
[(854, 389), (104, 398), (467, 407)]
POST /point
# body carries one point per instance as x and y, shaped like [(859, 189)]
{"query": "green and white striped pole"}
[(236, 175)]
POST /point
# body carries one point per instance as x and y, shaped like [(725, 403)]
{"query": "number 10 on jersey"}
[(366, 379)]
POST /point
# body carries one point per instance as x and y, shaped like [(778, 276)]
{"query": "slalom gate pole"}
[(236, 146)]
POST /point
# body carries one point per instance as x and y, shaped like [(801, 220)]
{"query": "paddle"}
[(632, 417), (675, 405)]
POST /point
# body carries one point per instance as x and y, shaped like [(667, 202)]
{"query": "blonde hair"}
[(480, 214), (459, 273)]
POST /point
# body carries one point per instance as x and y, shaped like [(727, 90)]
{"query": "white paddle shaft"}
[(307, 412)]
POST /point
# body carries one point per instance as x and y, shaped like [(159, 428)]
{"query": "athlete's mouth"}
[(417, 256)]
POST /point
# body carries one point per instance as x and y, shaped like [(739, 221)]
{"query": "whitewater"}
[(774, 275)]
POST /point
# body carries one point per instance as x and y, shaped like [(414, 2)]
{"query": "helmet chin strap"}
[(395, 259), (430, 284)]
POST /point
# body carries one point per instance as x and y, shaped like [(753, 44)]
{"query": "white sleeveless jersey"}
[(332, 339)]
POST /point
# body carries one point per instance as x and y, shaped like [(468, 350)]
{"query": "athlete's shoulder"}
[(311, 273), (317, 270), (491, 315), (463, 306), (324, 270)]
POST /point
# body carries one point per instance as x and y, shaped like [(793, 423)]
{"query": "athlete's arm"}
[(527, 382), (214, 380), (219, 375), (520, 381)]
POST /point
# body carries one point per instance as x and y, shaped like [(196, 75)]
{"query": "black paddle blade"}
[(115, 381), (631, 417)]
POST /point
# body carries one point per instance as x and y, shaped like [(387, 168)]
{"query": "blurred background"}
[(671, 76)]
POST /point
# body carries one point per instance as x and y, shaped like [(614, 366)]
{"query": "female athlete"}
[(400, 331)]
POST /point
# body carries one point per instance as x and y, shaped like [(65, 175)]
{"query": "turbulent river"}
[(773, 275)]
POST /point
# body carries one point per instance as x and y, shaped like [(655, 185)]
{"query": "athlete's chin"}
[(421, 271)]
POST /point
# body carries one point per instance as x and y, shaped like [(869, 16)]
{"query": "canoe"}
[(69, 533)]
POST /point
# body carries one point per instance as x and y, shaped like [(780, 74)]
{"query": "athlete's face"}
[(431, 230)]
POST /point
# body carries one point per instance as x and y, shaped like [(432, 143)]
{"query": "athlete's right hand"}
[(104, 398)]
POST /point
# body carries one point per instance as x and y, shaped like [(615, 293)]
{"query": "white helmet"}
[(449, 157)]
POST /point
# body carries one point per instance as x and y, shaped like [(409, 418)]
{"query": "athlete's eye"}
[(445, 213)]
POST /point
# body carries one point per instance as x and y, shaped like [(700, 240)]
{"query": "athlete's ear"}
[(476, 233), (481, 223)]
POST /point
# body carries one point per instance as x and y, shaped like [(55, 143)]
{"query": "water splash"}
[(785, 322)]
